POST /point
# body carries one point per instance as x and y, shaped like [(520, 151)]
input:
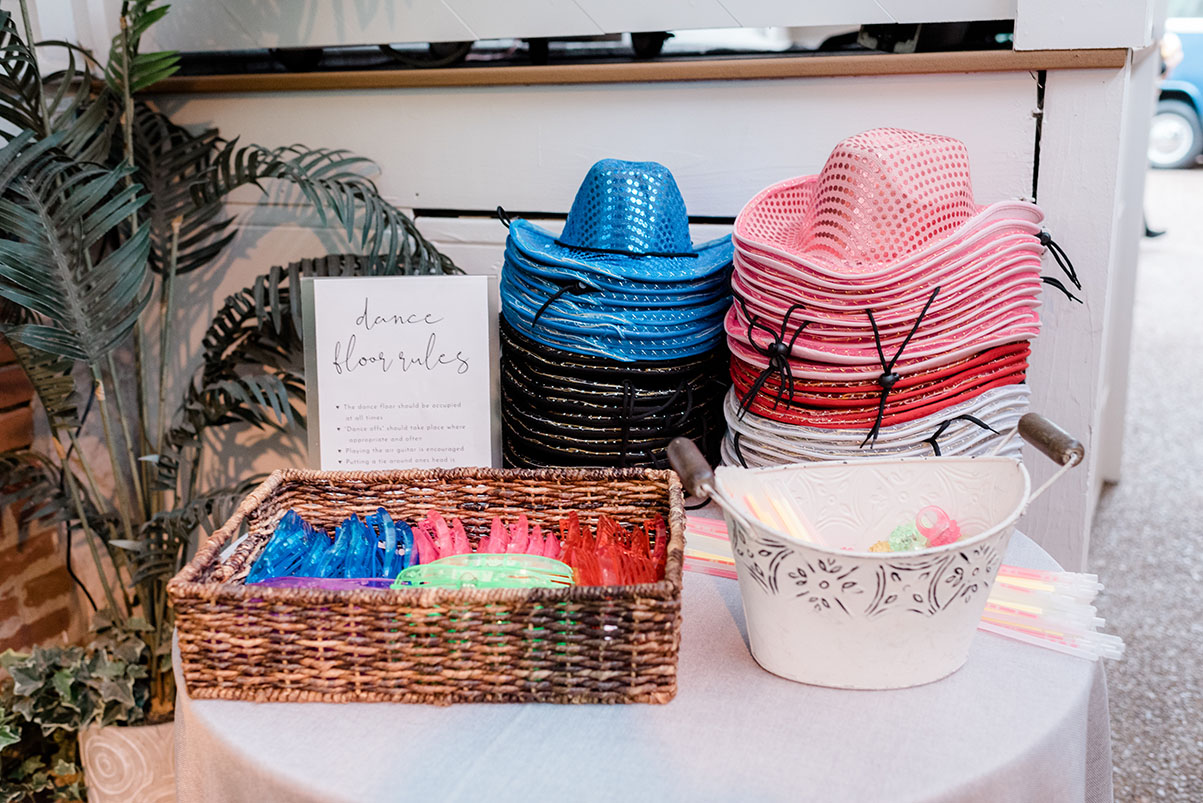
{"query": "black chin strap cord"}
[(574, 286), (1063, 261), (777, 352), (887, 379), (934, 440)]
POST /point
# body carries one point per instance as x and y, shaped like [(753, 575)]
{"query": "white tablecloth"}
[(1017, 723)]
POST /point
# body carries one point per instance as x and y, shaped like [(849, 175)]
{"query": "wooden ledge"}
[(739, 69)]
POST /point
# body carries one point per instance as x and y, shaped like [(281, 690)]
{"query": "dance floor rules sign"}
[(400, 372)]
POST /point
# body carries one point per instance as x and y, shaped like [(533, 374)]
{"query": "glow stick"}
[(697, 553), (713, 569), (1106, 644), (1055, 621), (761, 513), (1038, 600), (792, 524), (1042, 574), (1018, 635)]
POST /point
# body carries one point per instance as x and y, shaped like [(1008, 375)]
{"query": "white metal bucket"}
[(835, 614)]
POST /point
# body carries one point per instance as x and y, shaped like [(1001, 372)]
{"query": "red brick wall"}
[(36, 595)]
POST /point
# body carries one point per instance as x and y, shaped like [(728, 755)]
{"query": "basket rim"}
[(184, 587)]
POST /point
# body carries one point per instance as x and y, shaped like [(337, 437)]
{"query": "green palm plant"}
[(104, 203)]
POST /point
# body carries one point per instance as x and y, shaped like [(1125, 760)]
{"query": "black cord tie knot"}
[(888, 378), (1063, 261), (777, 352), (887, 381), (503, 216)]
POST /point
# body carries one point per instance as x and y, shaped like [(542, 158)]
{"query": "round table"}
[(1016, 723)]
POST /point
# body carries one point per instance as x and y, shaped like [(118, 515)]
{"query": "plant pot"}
[(129, 764)]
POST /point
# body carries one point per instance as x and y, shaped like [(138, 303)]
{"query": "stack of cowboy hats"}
[(879, 309), (612, 333)]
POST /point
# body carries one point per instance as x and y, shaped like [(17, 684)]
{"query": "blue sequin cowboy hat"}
[(628, 221)]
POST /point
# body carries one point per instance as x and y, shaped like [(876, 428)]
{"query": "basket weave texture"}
[(581, 644)]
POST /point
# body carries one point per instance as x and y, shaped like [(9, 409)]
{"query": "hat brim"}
[(965, 307), (763, 441), (815, 359), (558, 360), (767, 221), (755, 278), (616, 348), (995, 243), (541, 245), (582, 314), (744, 374), (711, 283), (1004, 399)]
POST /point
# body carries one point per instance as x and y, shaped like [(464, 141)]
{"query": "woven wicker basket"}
[(614, 644)]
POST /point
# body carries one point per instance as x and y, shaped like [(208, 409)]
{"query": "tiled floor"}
[(1148, 535)]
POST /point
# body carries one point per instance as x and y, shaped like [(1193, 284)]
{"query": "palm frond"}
[(20, 80), (83, 108), (333, 181), (31, 486), (129, 69), (55, 210), (169, 160), (260, 400), (164, 542), (256, 329), (52, 378)]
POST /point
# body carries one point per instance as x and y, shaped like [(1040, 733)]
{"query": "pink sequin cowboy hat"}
[(886, 202)]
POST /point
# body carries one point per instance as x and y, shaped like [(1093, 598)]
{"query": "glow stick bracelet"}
[(1068, 582), (1069, 587), (710, 556), (793, 525), (1038, 601), (1106, 644), (1046, 619), (1017, 635), (1068, 595), (705, 524), (1042, 621), (761, 513), (1041, 574), (1087, 612), (703, 568)]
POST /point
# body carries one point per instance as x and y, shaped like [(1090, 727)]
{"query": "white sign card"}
[(401, 372)]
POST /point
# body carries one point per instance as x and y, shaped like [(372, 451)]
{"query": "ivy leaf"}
[(62, 684), (25, 681), (113, 691), (109, 670), (8, 736)]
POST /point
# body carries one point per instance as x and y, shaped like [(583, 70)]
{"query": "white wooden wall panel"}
[(1079, 170), (1072, 24), (766, 13), (662, 15), (937, 10), (489, 19), (526, 148), (231, 25), (1129, 219)]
